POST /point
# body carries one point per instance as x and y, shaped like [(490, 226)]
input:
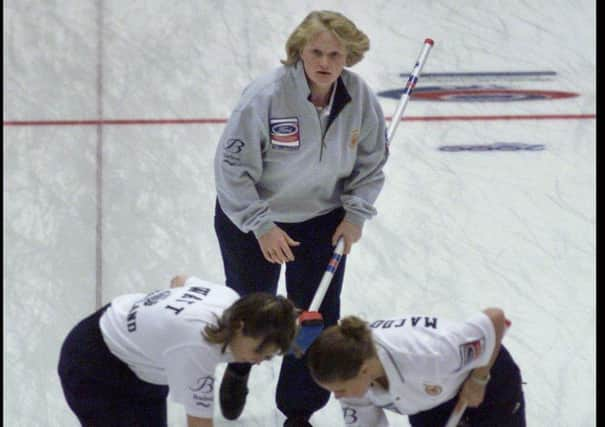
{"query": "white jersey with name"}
[(159, 336), (426, 360)]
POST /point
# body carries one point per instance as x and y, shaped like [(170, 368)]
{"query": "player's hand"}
[(350, 232), (275, 246), (472, 393), (178, 281)]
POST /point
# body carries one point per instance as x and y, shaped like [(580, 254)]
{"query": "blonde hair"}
[(340, 350), (354, 40)]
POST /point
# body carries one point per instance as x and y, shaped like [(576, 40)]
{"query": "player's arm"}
[(365, 183), (198, 422), (498, 319), (190, 380), (473, 389)]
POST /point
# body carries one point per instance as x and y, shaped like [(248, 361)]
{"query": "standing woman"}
[(298, 166), (118, 364), (420, 366)]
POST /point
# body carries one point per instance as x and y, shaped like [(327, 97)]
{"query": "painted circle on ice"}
[(477, 94), (489, 95)]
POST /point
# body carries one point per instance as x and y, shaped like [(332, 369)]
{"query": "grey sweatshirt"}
[(275, 164)]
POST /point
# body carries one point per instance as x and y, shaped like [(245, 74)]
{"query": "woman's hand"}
[(472, 392), (178, 281), (198, 422), (350, 232), (275, 246)]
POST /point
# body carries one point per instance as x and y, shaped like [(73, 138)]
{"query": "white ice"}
[(455, 233)]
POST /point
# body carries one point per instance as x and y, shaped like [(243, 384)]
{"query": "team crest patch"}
[(433, 389), (471, 351), (285, 133), (354, 138)]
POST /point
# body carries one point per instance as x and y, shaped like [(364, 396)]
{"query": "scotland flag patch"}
[(285, 133)]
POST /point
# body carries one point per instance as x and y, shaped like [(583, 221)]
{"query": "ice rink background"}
[(94, 208)]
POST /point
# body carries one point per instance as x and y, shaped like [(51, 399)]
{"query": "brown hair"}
[(340, 350), (354, 40), (266, 316)]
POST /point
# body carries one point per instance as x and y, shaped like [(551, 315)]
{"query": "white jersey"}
[(426, 360), (159, 336)]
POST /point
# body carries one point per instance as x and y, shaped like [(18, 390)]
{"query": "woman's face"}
[(324, 58), (246, 349), (354, 387)]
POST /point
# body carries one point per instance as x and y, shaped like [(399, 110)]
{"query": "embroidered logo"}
[(354, 137), (433, 389), (203, 391), (350, 415), (285, 133), (232, 149), (155, 296), (234, 145), (203, 384), (471, 351)]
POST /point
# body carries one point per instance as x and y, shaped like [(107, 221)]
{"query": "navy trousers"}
[(101, 389), (246, 271), (503, 405)]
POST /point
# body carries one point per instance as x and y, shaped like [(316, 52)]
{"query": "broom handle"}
[(403, 102)]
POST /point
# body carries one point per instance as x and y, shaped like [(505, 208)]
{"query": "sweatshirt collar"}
[(340, 95)]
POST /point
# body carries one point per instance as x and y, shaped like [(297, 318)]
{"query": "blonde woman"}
[(298, 166), (118, 364), (423, 367)]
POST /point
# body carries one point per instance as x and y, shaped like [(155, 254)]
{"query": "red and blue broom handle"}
[(403, 102), (311, 318), (327, 277), (409, 87)]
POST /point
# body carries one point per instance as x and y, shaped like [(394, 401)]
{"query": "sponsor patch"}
[(285, 133), (471, 351), (433, 389)]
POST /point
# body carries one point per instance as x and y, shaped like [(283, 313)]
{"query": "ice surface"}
[(456, 231)]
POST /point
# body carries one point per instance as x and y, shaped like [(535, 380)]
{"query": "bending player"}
[(118, 364), (423, 367)]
